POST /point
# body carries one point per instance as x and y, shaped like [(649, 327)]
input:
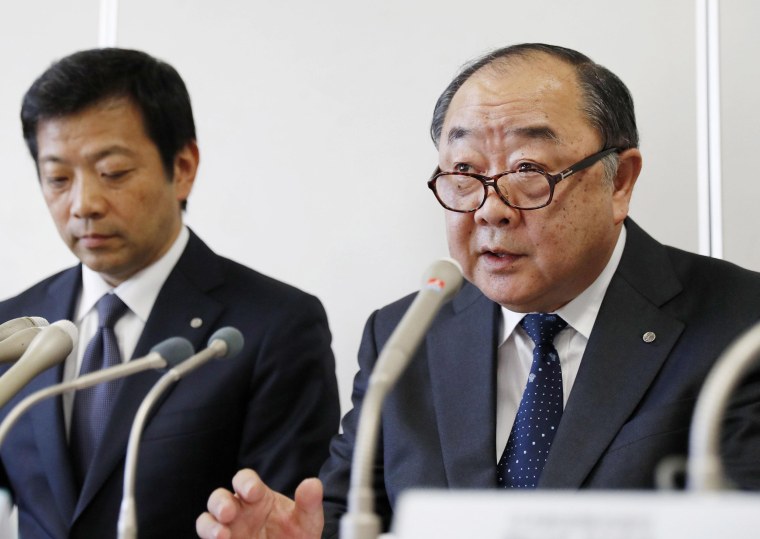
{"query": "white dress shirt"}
[(515, 354), (139, 293)]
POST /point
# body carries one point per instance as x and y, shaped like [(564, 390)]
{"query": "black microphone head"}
[(231, 337), (174, 350)]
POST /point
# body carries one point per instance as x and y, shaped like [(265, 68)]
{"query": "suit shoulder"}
[(233, 280), (35, 295), (687, 281), (715, 291), (697, 270), (250, 285), (392, 312), (468, 297)]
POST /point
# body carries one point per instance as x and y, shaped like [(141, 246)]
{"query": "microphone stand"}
[(223, 343), (445, 277), (704, 468), (168, 352), (76, 384)]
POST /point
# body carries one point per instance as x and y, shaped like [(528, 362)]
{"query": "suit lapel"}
[(53, 448), (47, 416), (618, 366), (182, 299), (461, 355), (617, 369)]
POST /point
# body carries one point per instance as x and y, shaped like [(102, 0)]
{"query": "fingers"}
[(223, 508), (223, 505), (255, 509), (207, 527), (308, 511), (249, 486), (227, 511), (309, 495)]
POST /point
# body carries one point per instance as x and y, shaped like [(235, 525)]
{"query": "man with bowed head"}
[(574, 355), (113, 138)]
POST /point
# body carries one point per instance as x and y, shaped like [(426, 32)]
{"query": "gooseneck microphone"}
[(13, 347), (167, 353), (442, 281), (17, 324), (51, 346), (705, 470), (224, 343), (17, 334)]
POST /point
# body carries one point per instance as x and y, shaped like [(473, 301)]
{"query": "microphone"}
[(169, 353), (13, 347), (17, 334), (441, 282), (225, 342), (48, 348), (17, 324), (705, 470)]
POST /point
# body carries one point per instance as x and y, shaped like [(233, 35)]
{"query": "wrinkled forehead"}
[(537, 94)]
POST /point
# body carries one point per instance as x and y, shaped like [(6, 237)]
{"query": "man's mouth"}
[(498, 256), (497, 251), (94, 240)]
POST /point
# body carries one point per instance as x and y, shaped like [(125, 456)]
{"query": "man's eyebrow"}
[(96, 156), (111, 150), (536, 132), (50, 159), (456, 133), (539, 132)]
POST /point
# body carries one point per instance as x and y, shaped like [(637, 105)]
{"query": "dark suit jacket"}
[(629, 408), (274, 407)]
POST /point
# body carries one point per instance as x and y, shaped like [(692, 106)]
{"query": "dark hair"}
[(88, 77), (608, 103)]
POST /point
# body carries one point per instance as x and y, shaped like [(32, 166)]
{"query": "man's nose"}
[(88, 199), (494, 211)]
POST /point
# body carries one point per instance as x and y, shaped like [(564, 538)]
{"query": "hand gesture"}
[(255, 511)]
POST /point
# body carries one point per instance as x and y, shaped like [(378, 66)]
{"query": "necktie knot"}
[(542, 327), (110, 309)]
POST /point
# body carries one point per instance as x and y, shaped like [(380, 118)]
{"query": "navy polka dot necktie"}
[(540, 408), (92, 406)]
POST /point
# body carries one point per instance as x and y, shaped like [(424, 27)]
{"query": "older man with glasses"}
[(574, 355)]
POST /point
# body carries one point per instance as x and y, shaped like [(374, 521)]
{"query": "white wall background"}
[(740, 78), (313, 121)]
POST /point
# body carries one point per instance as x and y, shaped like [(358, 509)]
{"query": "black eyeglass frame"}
[(553, 180)]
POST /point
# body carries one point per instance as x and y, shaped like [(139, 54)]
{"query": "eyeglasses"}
[(528, 188)]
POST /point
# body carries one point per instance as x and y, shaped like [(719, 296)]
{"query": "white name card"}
[(576, 515)]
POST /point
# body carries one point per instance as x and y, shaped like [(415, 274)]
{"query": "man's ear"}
[(185, 168), (629, 167)]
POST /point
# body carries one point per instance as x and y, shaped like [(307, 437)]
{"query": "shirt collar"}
[(140, 291), (580, 313)]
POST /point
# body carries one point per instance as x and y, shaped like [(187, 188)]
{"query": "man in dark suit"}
[(559, 276), (112, 134)]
